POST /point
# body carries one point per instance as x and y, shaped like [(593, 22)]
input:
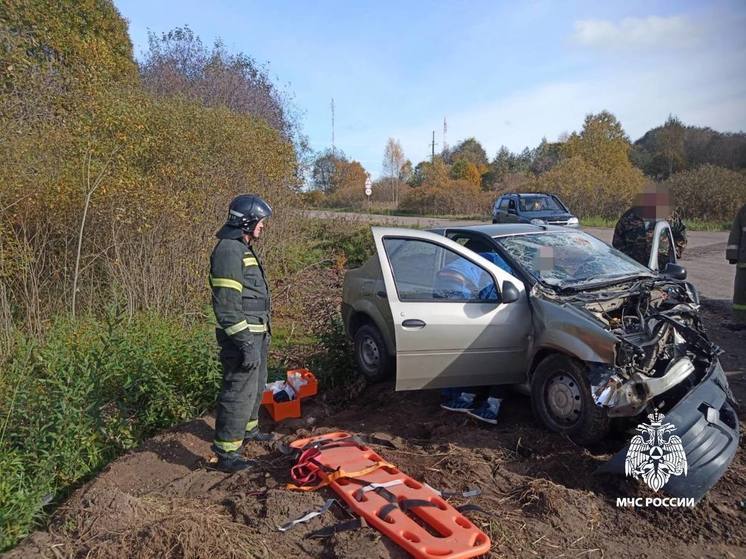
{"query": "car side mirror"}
[(512, 211), (510, 293), (674, 271)]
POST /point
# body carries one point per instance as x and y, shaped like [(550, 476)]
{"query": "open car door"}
[(451, 325)]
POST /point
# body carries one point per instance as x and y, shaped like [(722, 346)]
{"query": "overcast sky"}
[(504, 72)]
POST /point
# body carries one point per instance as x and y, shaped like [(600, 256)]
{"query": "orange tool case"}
[(291, 408), (412, 514)]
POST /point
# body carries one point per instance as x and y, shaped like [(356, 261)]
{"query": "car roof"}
[(504, 229), (527, 194)]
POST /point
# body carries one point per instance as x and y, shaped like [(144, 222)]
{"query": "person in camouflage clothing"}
[(633, 234), (735, 252)]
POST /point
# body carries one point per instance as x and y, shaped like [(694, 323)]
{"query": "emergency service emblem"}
[(653, 455)]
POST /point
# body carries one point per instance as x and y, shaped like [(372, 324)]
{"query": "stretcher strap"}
[(373, 486), (334, 443), (475, 492), (308, 469), (307, 516), (327, 478)]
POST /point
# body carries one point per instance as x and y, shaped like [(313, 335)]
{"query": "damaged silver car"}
[(591, 334)]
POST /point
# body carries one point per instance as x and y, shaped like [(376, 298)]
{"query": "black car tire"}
[(371, 356), (562, 400)]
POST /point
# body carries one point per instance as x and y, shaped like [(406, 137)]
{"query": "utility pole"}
[(445, 133), (334, 153), (432, 149)]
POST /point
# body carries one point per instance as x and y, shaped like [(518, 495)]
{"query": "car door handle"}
[(381, 294), (413, 323)]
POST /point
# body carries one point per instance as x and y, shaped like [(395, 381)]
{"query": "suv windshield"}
[(538, 204), (564, 258)]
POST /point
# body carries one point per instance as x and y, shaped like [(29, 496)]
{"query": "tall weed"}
[(85, 393)]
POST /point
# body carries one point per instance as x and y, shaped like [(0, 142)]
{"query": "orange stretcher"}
[(412, 514)]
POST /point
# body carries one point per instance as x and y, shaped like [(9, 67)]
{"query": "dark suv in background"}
[(538, 208)]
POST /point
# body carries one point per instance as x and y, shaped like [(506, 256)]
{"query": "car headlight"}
[(537, 222), (573, 221)]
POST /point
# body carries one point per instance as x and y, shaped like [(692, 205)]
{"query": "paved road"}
[(704, 257)]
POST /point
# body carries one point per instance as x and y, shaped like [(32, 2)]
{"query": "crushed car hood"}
[(646, 349), (641, 339)]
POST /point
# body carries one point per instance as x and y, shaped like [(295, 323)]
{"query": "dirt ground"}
[(540, 492)]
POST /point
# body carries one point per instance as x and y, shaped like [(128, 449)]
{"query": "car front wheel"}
[(372, 358), (562, 400)]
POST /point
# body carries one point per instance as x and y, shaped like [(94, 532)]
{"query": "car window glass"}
[(512, 204), (483, 249), (538, 204), (504, 203), (569, 257), (425, 271)]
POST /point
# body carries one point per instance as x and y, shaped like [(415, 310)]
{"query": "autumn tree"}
[(348, 180), (393, 162), (708, 192), (429, 173), (177, 63), (545, 156), (602, 142), (671, 144), (323, 170), (463, 169), (84, 41), (674, 147), (595, 175), (405, 173), (470, 150)]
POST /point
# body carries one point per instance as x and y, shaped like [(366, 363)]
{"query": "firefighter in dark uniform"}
[(735, 252), (241, 301)]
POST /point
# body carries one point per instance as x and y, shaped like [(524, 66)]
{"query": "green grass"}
[(590, 221), (404, 213), (89, 391), (691, 224), (92, 389)]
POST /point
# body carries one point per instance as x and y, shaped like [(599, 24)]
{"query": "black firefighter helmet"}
[(244, 212)]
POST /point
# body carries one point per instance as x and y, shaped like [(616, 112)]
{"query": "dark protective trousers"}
[(739, 295), (237, 409)]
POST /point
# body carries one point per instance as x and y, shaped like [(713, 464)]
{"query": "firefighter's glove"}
[(251, 357)]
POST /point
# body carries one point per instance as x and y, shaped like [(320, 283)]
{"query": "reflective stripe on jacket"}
[(240, 293), (736, 248)]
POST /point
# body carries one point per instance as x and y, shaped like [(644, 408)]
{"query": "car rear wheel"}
[(561, 398), (372, 358)]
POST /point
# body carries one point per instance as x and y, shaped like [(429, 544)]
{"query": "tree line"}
[(596, 170), (115, 173)]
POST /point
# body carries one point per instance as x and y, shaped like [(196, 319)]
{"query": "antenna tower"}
[(445, 134), (334, 153)]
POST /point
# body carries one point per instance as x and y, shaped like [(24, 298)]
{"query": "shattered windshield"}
[(538, 204), (564, 258)]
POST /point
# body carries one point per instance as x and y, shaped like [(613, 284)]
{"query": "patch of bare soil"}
[(541, 494)]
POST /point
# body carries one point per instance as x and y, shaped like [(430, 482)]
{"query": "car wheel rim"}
[(563, 399), (369, 353)]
